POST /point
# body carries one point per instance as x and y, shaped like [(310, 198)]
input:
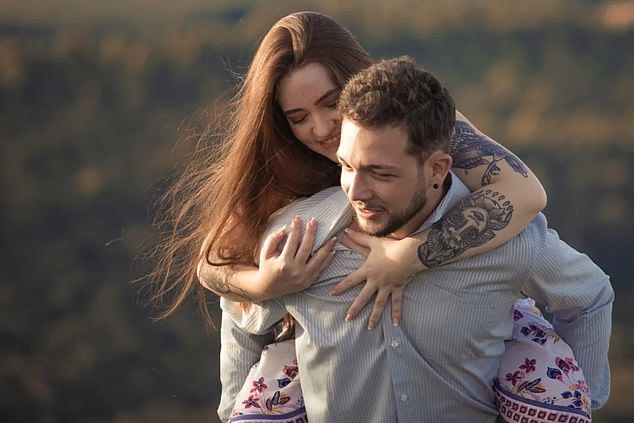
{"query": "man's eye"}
[(384, 175)]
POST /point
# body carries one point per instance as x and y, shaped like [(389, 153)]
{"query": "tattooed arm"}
[(473, 222), (221, 280), (505, 189), (293, 269), (505, 197)]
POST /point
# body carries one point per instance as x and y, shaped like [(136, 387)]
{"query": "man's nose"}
[(357, 188)]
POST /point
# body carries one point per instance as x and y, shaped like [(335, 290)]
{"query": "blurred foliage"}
[(100, 100)]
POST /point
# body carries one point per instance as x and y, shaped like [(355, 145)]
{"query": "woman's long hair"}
[(251, 166)]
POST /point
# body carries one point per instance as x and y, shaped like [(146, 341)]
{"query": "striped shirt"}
[(439, 364)]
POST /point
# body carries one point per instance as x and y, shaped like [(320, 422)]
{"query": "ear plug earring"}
[(435, 186)]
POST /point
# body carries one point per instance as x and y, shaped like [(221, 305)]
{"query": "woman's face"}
[(308, 98)]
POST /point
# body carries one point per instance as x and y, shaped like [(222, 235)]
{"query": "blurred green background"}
[(99, 100)]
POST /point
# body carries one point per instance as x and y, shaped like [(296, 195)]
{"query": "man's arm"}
[(245, 330), (579, 296), (254, 318), (238, 352)]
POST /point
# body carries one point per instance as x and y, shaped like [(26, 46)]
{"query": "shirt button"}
[(404, 397), (394, 343)]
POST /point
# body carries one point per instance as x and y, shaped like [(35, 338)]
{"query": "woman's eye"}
[(297, 121)]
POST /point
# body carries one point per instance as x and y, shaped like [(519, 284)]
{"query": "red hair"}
[(252, 165)]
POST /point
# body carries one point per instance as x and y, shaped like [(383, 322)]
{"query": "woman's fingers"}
[(293, 238), (364, 297), (299, 244), (356, 241), (397, 301), (271, 245), (380, 302), (320, 260), (295, 268), (350, 281), (306, 244)]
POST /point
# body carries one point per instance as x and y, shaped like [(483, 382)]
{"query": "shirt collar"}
[(333, 211), (457, 191)]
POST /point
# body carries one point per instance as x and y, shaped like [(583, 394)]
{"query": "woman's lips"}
[(330, 143)]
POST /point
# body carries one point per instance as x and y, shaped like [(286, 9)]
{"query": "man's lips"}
[(367, 212)]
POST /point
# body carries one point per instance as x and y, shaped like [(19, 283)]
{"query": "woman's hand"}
[(388, 268), (292, 269)]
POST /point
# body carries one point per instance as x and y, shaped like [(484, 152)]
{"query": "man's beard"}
[(398, 220)]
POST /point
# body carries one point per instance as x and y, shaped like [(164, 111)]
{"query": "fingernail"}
[(370, 326), (333, 292), (395, 322), (348, 317)]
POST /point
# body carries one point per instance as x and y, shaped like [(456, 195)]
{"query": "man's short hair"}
[(398, 91)]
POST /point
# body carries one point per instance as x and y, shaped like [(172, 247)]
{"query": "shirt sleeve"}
[(238, 352), (256, 318), (246, 330), (579, 296)]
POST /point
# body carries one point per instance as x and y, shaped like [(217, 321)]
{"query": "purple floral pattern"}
[(539, 368), (272, 388)]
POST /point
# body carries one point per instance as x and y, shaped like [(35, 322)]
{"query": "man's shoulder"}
[(303, 205), (537, 239), (329, 207)]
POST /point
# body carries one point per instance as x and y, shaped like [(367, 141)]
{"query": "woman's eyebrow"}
[(327, 94), (319, 100)]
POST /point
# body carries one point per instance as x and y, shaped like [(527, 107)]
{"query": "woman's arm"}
[(501, 185), (292, 269), (504, 189)]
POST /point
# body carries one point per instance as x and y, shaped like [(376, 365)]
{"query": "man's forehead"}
[(384, 146)]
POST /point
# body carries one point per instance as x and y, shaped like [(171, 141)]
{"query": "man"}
[(440, 362)]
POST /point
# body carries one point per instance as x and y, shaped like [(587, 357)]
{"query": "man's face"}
[(386, 186)]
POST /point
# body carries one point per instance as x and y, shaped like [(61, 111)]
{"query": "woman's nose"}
[(324, 126)]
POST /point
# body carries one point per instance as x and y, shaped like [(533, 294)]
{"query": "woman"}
[(224, 202)]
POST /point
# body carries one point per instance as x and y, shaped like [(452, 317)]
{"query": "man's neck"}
[(433, 200)]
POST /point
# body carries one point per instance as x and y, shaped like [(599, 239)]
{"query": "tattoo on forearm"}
[(215, 278), (473, 222), (470, 150), (219, 279)]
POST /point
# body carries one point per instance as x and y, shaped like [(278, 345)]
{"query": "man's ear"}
[(440, 164)]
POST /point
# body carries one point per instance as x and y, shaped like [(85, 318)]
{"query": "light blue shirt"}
[(439, 364)]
